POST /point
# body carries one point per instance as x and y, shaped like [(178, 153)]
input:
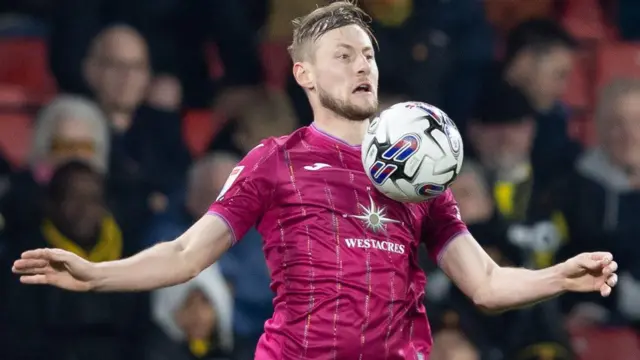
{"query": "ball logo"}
[(373, 125), (399, 152), (430, 189), (454, 138)]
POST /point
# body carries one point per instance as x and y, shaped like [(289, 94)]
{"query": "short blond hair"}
[(309, 28)]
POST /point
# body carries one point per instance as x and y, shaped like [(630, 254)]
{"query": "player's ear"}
[(303, 75)]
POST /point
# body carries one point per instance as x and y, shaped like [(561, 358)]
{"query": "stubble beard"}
[(344, 109)]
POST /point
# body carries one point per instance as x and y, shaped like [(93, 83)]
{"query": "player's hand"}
[(589, 272), (55, 267)]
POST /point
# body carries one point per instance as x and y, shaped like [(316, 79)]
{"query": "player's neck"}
[(349, 131)]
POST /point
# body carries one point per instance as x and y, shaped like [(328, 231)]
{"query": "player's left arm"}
[(495, 288)]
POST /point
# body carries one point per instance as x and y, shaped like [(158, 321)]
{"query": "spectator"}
[(513, 335), (148, 157), (502, 139), (146, 141), (539, 57), (205, 180), (252, 295), (49, 323), (69, 128), (194, 319), (177, 32), (600, 200), (271, 115)]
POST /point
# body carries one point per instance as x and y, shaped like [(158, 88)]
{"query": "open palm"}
[(589, 272), (54, 267)]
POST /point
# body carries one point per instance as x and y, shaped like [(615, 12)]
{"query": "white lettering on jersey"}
[(232, 177), (316, 166), (387, 246)]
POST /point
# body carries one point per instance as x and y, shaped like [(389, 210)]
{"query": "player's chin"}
[(369, 106)]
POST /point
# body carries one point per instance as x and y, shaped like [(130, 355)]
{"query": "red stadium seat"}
[(579, 94), (506, 14), (12, 97), (585, 20), (606, 344), (617, 59), (199, 126), (15, 136), (277, 64), (23, 62)]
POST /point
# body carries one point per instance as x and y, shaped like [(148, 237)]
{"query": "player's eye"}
[(370, 56), (343, 56)]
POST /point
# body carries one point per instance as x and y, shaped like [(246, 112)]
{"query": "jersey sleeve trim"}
[(234, 239), (447, 243)]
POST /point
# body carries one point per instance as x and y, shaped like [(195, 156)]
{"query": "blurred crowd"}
[(121, 120)]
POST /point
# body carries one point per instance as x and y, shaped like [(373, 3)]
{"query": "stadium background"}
[(120, 121)]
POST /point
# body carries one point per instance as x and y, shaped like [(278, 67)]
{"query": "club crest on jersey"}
[(374, 217)]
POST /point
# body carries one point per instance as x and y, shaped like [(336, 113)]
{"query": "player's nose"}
[(363, 66)]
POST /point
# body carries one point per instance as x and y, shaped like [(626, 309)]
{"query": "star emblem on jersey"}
[(374, 217)]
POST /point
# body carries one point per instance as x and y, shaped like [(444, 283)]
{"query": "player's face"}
[(621, 134), (346, 73)]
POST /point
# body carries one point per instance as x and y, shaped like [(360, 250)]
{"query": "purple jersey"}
[(342, 256)]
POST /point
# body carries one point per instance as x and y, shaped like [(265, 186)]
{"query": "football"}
[(412, 152)]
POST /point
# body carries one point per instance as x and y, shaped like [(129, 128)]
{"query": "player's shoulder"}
[(436, 203), (285, 142), (272, 147)]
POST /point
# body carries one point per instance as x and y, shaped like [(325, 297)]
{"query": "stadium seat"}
[(12, 97), (585, 20), (506, 14), (23, 62), (15, 136), (198, 128), (606, 344), (579, 94), (616, 59), (277, 64)]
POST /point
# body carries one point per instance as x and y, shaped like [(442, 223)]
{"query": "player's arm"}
[(495, 288), (167, 263), (243, 200), (492, 287)]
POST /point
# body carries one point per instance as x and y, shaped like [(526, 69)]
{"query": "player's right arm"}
[(168, 263), (244, 198)]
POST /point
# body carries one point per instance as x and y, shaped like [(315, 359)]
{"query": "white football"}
[(412, 152)]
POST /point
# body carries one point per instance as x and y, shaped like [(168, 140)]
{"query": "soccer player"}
[(342, 256)]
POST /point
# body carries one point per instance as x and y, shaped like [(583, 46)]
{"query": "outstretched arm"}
[(165, 264), (495, 288)]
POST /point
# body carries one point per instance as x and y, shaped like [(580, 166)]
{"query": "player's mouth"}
[(365, 88)]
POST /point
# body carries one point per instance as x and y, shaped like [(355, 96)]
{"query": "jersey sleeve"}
[(248, 191), (441, 224)]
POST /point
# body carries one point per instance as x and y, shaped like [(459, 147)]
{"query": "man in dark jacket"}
[(47, 323), (600, 202)]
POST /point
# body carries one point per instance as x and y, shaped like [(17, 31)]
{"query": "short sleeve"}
[(247, 193), (441, 224)]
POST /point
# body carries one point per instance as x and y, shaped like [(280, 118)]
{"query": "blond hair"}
[(309, 28)]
